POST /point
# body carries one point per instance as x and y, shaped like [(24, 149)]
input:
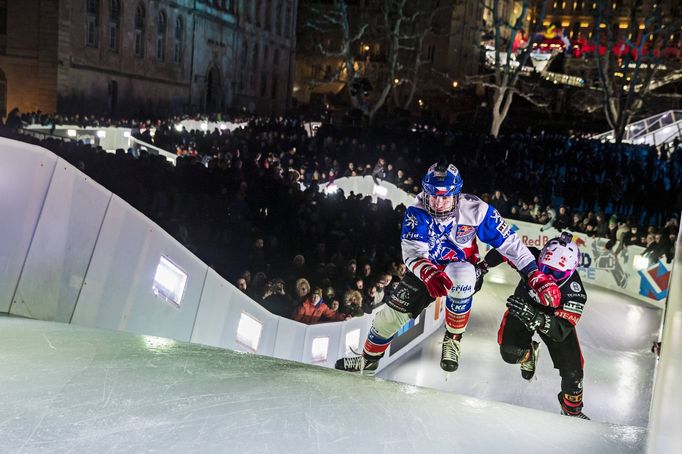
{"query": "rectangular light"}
[(640, 263), (380, 190), (319, 349), (249, 331), (331, 189), (101, 134), (71, 132), (126, 134), (352, 341), (169, 281)]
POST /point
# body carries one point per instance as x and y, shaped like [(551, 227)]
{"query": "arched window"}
[(254, 66), (114, 24), (287, 23), (91, 22), (161, 36), (243, 63), (268, 15), (139, 30), (178, 39), (278, 18)]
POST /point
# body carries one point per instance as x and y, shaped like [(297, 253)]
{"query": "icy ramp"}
[(65, 388)]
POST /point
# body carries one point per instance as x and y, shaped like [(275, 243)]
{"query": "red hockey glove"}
[(546, 289), (436, 281)]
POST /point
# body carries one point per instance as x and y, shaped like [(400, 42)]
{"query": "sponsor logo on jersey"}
[(571, 317), (502, 225), (575, 286), (461, 288), (458, 307), (412, 236), (410, 221), (464, 233), (572, 306)]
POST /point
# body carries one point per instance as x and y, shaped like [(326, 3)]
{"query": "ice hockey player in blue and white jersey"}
[(439, 247)]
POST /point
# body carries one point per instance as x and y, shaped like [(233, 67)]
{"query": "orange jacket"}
[(310, 314)]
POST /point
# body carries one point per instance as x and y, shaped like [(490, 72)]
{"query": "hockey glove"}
[(436, 281), (529, 316), (481, 270), (546, 289)]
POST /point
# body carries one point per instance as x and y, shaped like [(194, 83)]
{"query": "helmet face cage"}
[(441, 181), (560, 257)]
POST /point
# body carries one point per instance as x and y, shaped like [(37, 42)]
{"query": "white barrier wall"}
[(118, 289), (91, 259), (25, 175), (64, 239), (665, 418)]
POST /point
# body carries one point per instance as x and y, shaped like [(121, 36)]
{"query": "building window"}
[(179, 34), (278, 18), (243, 63), (274, 87), (91, 22), (114, 24), (254, 57), (275, 58), (139, 30), (431, 51), (257, 12), (287, 23), (3, 17), (268, 15), (263, 84), (161, 37)]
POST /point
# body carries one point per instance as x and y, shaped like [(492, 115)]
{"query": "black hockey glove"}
[(529, 316), (481, 269)]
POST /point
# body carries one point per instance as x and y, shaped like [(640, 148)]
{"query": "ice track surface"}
[(65, 388)]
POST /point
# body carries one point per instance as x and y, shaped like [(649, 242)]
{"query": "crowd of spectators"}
[(247, 201)]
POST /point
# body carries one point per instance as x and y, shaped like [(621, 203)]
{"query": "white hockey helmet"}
[(560, 257)]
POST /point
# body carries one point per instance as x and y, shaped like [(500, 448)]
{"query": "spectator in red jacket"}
[(313, 309)]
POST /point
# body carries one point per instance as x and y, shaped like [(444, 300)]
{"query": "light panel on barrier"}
[(319, 349), (101, 134), (169, 281), (380, 190), (640, 262), (249, 331), (331, 189), (352, 341), (71, 132)]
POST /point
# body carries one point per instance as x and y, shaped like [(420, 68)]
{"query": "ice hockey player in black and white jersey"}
[(556, 326)]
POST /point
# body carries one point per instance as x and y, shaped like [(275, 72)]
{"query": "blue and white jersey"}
[(426, 240)]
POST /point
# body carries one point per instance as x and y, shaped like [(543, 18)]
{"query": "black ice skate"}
[(528, 367), (358, 364), (566, 411), (449, 357)]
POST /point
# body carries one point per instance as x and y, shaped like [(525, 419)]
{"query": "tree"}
[(396, 28), (511, 55), (630, 59)]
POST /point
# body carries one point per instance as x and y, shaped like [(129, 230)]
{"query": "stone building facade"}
[(145, 56)]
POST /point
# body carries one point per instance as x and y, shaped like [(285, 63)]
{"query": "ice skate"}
[(528, 367), (358, 364), (449, 358), (566, 411)]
